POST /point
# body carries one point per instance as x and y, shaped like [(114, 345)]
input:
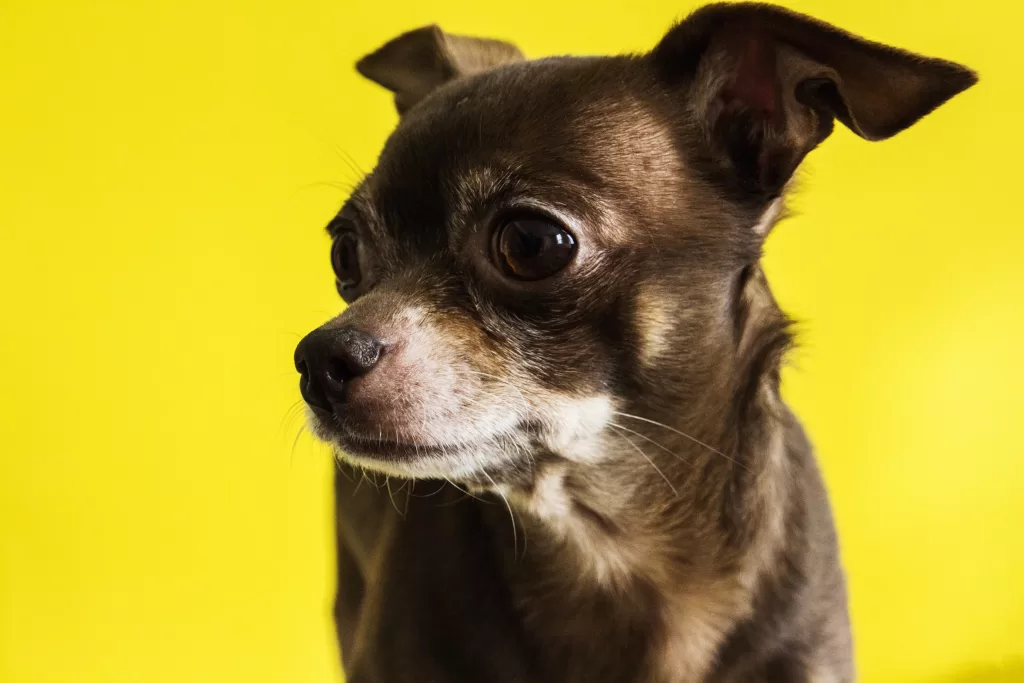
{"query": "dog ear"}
[(415, 63), (764, 85)]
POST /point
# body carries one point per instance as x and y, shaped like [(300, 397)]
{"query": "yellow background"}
[(166, 169)]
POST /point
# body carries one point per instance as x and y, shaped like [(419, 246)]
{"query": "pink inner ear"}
[(754, 82)]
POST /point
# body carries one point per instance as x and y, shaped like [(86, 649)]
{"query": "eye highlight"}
[(345, 262), (532, 247)]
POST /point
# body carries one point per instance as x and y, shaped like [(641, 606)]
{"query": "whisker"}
[(292, 414), (362, 478), (429, 495), (648, 459), (353, 165), (298, 435), (408, 496), (391, 496), (464, 491), (511, 515), (341, 468), (649, 439), (371, 478), (685, 435), (344, 188)]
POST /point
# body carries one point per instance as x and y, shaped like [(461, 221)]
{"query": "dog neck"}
[(667, 524)]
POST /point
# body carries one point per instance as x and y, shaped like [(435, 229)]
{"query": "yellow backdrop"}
[(165, 172)]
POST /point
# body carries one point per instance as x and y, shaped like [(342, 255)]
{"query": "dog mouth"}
[(382, 448), (456, 460), (410, 457)]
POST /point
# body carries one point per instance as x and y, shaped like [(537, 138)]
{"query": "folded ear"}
[(765, 85), (416, 62)]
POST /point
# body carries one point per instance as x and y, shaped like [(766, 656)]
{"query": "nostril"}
[(327, 360), (357, 353), (313, 392), (314, 384), (338, 371)]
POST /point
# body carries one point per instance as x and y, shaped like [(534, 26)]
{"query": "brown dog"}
[(556, 304)]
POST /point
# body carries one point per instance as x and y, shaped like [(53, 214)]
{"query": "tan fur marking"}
[(769, 217), (608, 562), (821, 676), (695, 625), (653, 316)]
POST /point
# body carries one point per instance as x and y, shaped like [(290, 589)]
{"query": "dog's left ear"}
[(764, 85), (416, 62)]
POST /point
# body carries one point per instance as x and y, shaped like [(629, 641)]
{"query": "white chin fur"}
[(571, 429)]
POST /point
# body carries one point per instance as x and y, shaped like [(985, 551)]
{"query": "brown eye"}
[(345, 261), (532, 247)]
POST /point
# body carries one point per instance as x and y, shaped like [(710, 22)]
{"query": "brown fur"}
[(644, 506)]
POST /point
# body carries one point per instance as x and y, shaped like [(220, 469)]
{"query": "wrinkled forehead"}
[(574, 136)]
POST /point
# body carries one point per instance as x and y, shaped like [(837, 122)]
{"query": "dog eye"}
[(532, 247), (345, 261)]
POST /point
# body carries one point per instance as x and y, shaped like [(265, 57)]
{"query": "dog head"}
[(544, 244)]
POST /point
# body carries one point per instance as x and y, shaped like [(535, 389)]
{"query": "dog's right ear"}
[(415, 63)]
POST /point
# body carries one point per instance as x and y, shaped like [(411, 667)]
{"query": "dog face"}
[(546, 243)]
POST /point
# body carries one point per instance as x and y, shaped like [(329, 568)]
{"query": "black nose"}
[(328, 358)]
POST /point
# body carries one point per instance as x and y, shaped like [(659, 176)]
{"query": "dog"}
[(554, 392)]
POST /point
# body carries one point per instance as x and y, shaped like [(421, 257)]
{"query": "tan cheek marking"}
[(654, 317)]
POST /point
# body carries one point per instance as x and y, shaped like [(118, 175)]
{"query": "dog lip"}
[(331, 428), (380, 448)]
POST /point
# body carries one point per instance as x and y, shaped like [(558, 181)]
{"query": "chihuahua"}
[(561, 355)]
